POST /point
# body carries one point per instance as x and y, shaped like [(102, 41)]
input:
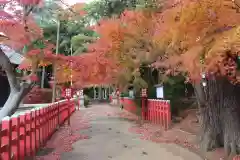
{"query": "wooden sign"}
[(68, 93), (144, 92), (80, 93), (159, 92)]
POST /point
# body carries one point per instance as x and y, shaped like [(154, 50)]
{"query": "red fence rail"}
[(22, 135), (129, 105), (157, 111)]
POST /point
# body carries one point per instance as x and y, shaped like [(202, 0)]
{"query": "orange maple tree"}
[(126, 43), (18, 29), (191, 38), (198, 39), (87, 69)]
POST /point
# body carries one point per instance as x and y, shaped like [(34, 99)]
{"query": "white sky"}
[(72, 2)]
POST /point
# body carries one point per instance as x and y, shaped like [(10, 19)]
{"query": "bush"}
[(86, 101), (174, 90), (124, 94), (89, 92), (38, 95)]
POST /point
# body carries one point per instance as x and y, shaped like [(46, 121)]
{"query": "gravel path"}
[(110, 139)]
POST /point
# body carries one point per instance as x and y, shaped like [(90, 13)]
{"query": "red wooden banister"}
[(157, 111), (22, 135)]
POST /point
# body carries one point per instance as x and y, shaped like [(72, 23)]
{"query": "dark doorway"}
[(5, 89)]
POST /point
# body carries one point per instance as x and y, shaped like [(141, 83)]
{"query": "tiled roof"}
[(15, 58)]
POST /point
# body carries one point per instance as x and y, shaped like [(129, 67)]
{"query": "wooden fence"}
[(155, 111), (159, 112), (129, 105), (22, 135)]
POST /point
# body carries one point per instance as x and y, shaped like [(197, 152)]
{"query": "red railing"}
[(129, 104), (22, 135), (159, 112)]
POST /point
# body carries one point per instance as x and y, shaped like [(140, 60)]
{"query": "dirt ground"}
[(188, 129)]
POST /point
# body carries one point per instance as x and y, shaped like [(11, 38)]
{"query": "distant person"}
[(131, 94)]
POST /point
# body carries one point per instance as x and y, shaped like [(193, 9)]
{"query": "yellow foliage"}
[(195, 29)]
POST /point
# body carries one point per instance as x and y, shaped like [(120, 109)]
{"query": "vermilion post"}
[(69, 106), (38, 126), (50, 120), (29, 128), (144, 103), (168, 114), (34, 131), (46, 123), (23, 121), (147, 110), (43, 125), (162, 113), (6, 134), (165, 115), (16, 137), (58, 116), (155, 111), (151, 109), (158, 113), (10, 138)]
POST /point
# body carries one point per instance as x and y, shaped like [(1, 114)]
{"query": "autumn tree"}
[(200, 41), (191, 38), (75, 36), (20, 32), (18, 29), (87, 69), (127, 42), (101, 69)]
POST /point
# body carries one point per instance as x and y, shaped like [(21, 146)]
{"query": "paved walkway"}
[(109, 138)]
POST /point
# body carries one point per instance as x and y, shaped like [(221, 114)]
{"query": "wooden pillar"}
[(99, 92), (94, 92), (43, 77), (104, 93), (110, 90)]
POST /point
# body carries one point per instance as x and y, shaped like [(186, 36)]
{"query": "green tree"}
[(71, 33), (107, 8), (73, 27)]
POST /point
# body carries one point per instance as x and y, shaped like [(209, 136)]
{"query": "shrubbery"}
[(38, 95), (86, 101)]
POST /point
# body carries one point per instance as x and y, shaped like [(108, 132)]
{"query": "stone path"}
[(110, 139)]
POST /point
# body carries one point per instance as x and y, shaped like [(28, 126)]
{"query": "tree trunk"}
[(17, 90), (219, 107), (12, 104)]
